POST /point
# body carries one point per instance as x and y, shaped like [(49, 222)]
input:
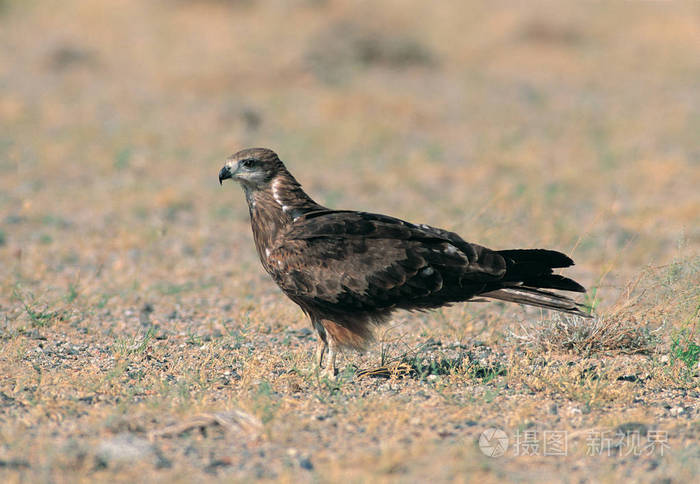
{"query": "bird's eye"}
[(248, 163)]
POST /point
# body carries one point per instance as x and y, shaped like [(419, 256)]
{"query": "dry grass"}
[(588, 337), (141, 340)]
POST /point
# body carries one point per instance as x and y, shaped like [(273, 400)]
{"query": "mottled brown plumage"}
[(348, 271)]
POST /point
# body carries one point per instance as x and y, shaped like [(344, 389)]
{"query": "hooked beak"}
[(225, 174)]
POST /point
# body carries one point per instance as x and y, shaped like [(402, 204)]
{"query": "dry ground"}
[(141, 340)]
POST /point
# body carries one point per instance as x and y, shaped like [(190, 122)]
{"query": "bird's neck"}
[(277, 206)]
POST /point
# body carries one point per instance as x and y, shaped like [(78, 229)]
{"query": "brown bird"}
[(348, 270)]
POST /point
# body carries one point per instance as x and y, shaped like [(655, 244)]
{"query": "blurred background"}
[(131, 296), (570, 126)]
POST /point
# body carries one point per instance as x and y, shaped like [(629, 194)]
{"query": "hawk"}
[(349, 270)]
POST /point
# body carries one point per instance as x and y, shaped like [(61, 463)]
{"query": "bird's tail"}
[(533, 296), (528, 272)]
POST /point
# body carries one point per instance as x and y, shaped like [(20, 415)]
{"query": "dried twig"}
[(230, 421)]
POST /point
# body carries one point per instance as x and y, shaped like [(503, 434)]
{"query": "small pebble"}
[(676, 411)]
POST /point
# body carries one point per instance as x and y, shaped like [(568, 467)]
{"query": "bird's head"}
[(254, 168)]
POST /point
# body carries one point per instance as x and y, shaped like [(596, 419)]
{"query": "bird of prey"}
[(348, 270)]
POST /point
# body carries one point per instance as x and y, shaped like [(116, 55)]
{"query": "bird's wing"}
[(360, 261)]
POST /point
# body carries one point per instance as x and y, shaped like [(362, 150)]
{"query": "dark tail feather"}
[(536, 297), (536, 258), (533, 268), (554, 281)]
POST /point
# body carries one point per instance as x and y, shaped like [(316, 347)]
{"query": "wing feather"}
[(358, 261)]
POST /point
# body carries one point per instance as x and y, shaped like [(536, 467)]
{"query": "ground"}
[(141, 340)]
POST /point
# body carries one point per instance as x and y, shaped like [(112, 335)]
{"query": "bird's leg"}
[(320, 352), (322, 342), (329, 371)]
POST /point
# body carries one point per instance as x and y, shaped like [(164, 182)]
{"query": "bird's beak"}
[(225, 174)]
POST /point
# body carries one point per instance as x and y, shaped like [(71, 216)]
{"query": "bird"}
[(349, 270)]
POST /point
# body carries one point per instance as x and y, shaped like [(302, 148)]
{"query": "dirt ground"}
[(140, 340)]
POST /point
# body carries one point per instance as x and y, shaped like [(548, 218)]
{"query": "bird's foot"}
[(328, 372)]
